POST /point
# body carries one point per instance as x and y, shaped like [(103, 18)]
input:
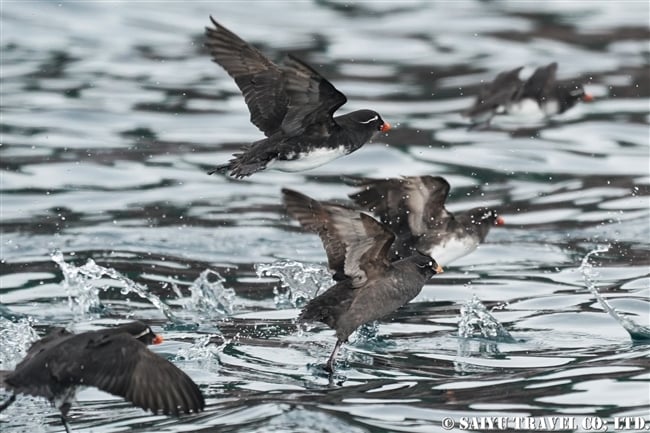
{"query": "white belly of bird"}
[(308, 160), (525, 108), (551, 107), (451, 250), (68, 396)]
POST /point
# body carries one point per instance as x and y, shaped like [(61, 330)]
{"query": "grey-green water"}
[(112, 113)]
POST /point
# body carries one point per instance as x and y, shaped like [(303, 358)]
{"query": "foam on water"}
[(476, 320), (83, 283), (210, 299), (108, 131), (15, 339), (203, 352), (301, 281)]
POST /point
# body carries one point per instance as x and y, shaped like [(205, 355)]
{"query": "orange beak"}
[(500, 221), (157, 339), (385, 127), (587, 97), (439, 270)]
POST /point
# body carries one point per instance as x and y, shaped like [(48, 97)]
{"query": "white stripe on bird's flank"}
[(308, 160)]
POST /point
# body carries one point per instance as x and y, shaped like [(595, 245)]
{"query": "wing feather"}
[(356, 244), (540, 84), (408, 205), (502, 91), (312, 98), (260, 80), (123, 366)]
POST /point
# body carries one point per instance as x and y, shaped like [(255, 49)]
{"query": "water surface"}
[(112, 113)]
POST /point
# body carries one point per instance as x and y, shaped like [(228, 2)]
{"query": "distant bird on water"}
[(293, 105), (368, 284), (115, 360), (509, 94)]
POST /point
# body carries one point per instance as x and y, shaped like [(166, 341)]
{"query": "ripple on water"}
[(108, 132)]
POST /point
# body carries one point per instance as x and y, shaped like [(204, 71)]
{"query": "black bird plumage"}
[(506, 93), (293, 105), (369, 285), (115, 360)]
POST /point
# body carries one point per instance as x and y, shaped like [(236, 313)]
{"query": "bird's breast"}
[(452, 248), (307, 158)]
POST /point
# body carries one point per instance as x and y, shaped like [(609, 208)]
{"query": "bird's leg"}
[(65, 408), (329, 367), (64, 420), (7, 403)]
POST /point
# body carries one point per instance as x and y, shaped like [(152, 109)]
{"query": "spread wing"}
[(541, 83), (367, 250), (425, 200), (355, 243), (501, 91), (383, 197), (261, 81), (121, 365), (408, 204), (312, 99), (313, 216), (290, 98)]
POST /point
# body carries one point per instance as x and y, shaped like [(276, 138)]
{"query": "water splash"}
[(83, 283), (589, 275), (15, 339), (210, 299), (203, 352), (301, 281), (476, 320)]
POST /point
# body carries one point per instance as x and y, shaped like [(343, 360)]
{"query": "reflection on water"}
[(111, 115)]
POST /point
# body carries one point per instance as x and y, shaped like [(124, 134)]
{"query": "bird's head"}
[(142, 332), (370, 120)]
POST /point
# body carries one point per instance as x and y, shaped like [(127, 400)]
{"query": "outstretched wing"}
[(312, 98), (383, 197), (355, 243), (541, 83), (121, 365), (261, 81), (409, 205), (501, 91), (425, 200), (367, 251)]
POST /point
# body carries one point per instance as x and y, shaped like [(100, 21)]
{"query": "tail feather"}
[(242, 165), (3, 376), (3, 384), (220, 169), (328, 307)]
